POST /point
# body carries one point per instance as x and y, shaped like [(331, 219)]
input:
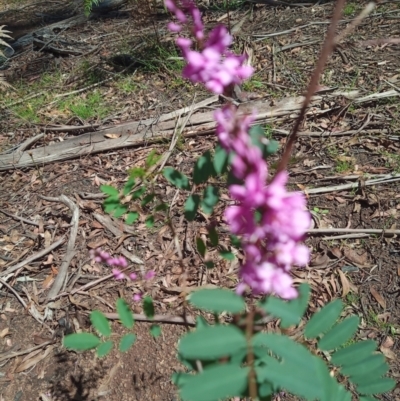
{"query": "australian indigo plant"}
[(238, 359)]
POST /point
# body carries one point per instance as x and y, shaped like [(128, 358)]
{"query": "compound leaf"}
[(217, 301)]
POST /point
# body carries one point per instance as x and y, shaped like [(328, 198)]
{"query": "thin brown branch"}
[(32, 258), (185, 320), (70, 252), (325, 52)]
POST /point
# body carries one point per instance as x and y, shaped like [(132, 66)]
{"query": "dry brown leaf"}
[(381, 301), (33, 361), (47, 238), (320, 261), (96, 224), (4, 332), (388, 343), (112, 136), (336, 252), (98, 244), (388, 353), (360, 258), (345, 283), (48, 281)]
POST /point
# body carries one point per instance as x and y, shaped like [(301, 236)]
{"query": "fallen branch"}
[(32, 258), (70, 253), (370, 231), (187, 320), (382, 180)]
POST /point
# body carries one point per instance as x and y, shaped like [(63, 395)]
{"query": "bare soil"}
[(350, 143)]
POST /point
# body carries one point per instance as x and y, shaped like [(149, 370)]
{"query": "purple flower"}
[(150, 275), (214, 66), (118, 275), (137, 297)]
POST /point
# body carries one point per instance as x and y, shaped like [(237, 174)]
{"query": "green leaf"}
[(271, 147), (125, 313), (370, 377), (220, 160), (227, 255), (353, 353), (137, 172), (215, 383), (201, 247), (364, 367), (152, 159), (235, 241), (147, 199), (128, 186), (139, 192), (323, 320), (81, 341), (265, 389), (109, 190), (126, 342), (213, 236), (179, 378), (209, 264), (104, 348), (176, 178), (201, 323), (289, 312), (155, 330), (380, 386), (131, 217), (210, 199), (161, 207), (120, 211), (366, 398), (339, 334), (191, 205), (203, 168), (111, 203), (212, 342), (299, 372), (217, 301), (148, 307), (149, 221), (100, 323)]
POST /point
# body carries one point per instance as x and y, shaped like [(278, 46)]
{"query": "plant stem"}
[(250, 356)]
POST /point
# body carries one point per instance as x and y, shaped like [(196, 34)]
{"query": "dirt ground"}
[(342, 148)]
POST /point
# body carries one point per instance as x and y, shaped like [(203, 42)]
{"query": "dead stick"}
[(370, 231), (187, 320), (70, 253), (38, 255), (325, 52)]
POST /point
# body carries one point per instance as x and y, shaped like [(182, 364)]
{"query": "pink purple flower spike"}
[(271, 221)]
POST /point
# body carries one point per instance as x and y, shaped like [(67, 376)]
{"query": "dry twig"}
[(70, 253)]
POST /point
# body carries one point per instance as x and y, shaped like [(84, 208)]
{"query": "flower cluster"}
[(271, 221), (214, 66), (101, 256)]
